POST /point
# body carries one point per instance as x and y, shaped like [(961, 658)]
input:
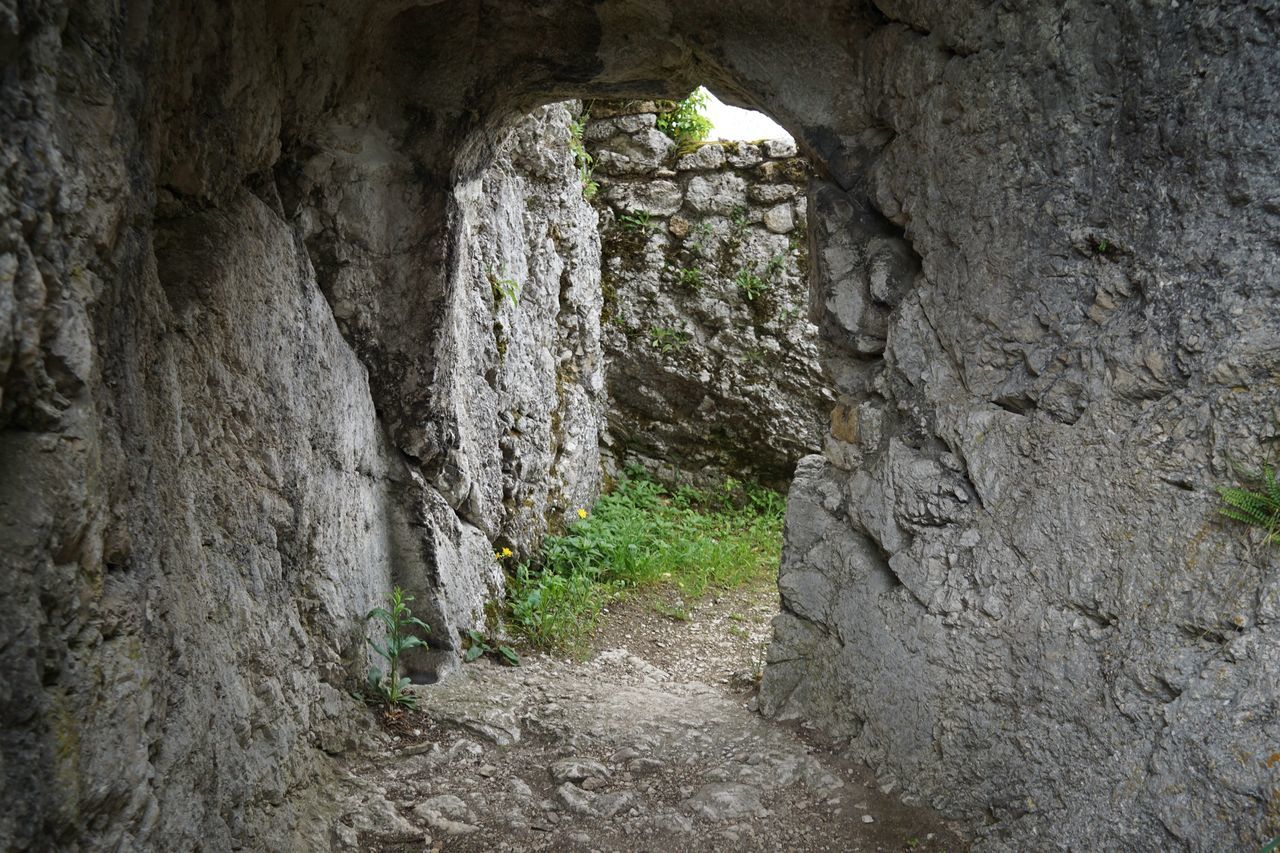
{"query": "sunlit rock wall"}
[(712, 361), (534, 252)]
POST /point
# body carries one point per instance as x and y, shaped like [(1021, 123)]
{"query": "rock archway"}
[(236, 400)]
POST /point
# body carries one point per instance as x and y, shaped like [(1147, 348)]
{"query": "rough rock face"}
[(1005, 578), (712, 361), (1049, 348), (537, 371), (200, 498)]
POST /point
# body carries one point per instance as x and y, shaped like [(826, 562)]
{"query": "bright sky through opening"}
[(733, 123)]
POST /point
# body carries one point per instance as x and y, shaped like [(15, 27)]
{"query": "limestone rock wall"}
[(534, 249), (1053, 329), (200, 495), (1044, 275), (712, 361)]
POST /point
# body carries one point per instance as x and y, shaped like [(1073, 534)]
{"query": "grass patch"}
[(642, 536)]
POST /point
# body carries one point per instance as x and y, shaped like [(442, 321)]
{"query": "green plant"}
[(738, 216), (686, 121), (691, 277), (1258, 508), (478, 645), (640, 220), (776, 265), (728, 495), (1271, 846), (675, 612), (553, 609), (668, 340), (505, 288), (751, 285), (582, 158), (641, 536), (703, 234), (398, 620)]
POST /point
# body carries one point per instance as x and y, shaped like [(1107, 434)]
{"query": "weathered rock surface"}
[(200, 495), (237, 336), (538, 401), (613, 755), (713, 365), (1009, 554)]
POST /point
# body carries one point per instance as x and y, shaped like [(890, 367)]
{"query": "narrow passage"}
[(651, 744)]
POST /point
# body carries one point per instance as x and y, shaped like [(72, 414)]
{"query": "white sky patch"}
[(734, 123)]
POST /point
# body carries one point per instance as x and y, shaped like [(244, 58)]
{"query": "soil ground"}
[(650, 744)]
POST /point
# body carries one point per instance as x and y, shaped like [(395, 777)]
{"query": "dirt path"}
[(651, 745)]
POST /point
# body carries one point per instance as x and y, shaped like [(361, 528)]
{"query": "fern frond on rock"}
[(1255, 508)]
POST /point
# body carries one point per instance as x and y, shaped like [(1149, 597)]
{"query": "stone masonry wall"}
[(712, 360)]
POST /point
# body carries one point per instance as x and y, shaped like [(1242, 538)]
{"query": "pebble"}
[(641, 766), (608, 805), (445, 804), (345, 837), (726, 801), (447, 813), (463, 748), (866, 818), (578, 770), (575, 800)]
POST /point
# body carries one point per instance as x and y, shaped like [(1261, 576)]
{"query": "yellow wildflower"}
[(582, 513)]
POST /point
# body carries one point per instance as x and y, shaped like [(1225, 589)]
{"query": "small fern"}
[(1257, 508), (583, 160)]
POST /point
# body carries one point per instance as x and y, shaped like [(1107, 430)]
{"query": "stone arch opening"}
[(458, 146), (1006, 567), (705, 382)]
